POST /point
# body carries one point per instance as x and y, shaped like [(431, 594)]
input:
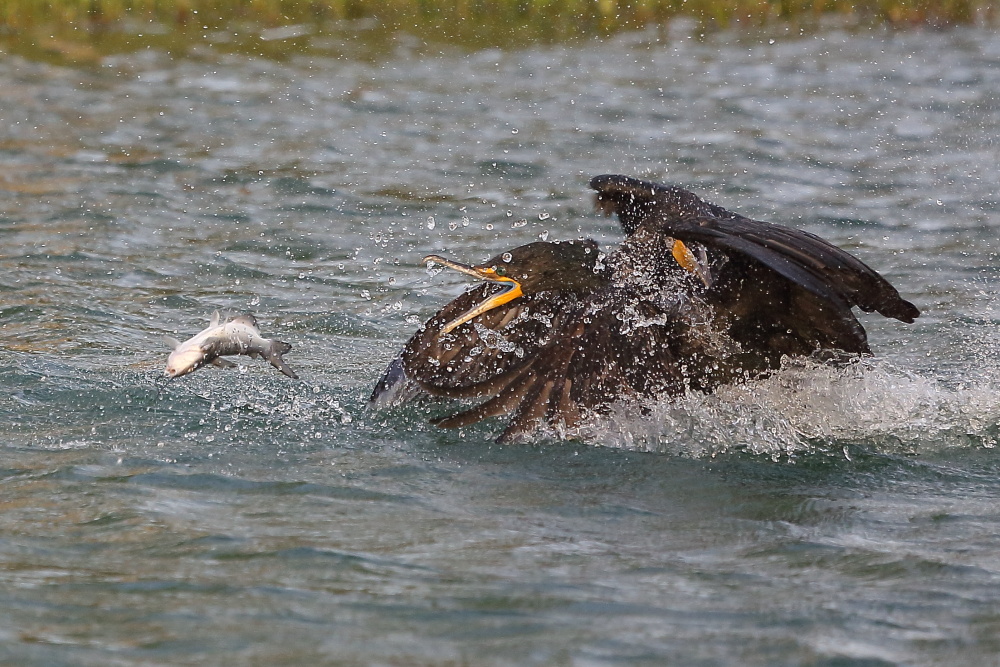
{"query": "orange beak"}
[(512, 290)]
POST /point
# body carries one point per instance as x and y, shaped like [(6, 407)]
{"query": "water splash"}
[(810, 407)]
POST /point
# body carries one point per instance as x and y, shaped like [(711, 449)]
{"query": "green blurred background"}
[(82, 30)]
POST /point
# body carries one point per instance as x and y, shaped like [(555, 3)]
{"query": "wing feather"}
[(800, 257), (484, 354), (602, 359)]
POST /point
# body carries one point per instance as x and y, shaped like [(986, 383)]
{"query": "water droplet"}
[(506, 257), (453, 225), (544, 236), (544, 216), (430, 222), (519, 223), (255, 301), (489, 227), (770, 41), (366, 295), (513, 130), (465, 221)]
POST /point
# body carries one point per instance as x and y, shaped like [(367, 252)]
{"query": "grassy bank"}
[(16, 14), (19, 14), (82, 29)]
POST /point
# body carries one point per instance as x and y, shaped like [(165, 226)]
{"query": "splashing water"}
[(807, 407)]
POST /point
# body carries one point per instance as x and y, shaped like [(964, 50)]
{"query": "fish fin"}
[(223, 363), (216, 318), (172, 342), (273, 354)]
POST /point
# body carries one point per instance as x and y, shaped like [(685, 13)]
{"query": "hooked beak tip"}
[(511, 289)]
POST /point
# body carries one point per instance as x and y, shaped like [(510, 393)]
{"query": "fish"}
[(239, 335)]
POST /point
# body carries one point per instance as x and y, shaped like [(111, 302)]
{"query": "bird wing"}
[(597, 355), (798, 256), (483, 354), (771, 317)]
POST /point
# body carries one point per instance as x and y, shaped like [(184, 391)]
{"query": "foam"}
[(807, 407)]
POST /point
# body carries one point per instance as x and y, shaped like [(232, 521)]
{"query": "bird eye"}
[(500, 271)]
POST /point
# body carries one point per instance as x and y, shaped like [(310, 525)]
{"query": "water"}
[(822, 517)]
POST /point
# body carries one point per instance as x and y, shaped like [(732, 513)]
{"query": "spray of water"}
[(808, 406), (160, 382)]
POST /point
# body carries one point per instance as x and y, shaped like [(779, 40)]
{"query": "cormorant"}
[(695, 297)]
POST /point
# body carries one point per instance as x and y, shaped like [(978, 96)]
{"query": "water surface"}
[(821, 517)]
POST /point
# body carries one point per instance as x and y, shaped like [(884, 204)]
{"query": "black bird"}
[(695, 297)]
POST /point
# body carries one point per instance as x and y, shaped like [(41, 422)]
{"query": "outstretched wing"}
[(800, 257), (599, 354), (546, 359), (481, 356), (486, 351), (771, 317)]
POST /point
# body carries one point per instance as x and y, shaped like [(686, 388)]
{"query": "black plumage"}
[(695, 297)]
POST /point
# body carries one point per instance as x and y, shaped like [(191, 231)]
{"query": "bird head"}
[(529, 269)]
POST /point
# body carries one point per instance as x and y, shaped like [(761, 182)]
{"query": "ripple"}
[(822, 516)]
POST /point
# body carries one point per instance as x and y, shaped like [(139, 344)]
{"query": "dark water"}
[(819, 518)]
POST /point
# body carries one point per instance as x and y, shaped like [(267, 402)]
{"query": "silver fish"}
[(239, 335)]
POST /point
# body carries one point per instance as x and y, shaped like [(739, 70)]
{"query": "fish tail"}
[(274, 352)]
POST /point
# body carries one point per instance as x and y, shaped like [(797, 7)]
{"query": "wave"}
[(809, 407)]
